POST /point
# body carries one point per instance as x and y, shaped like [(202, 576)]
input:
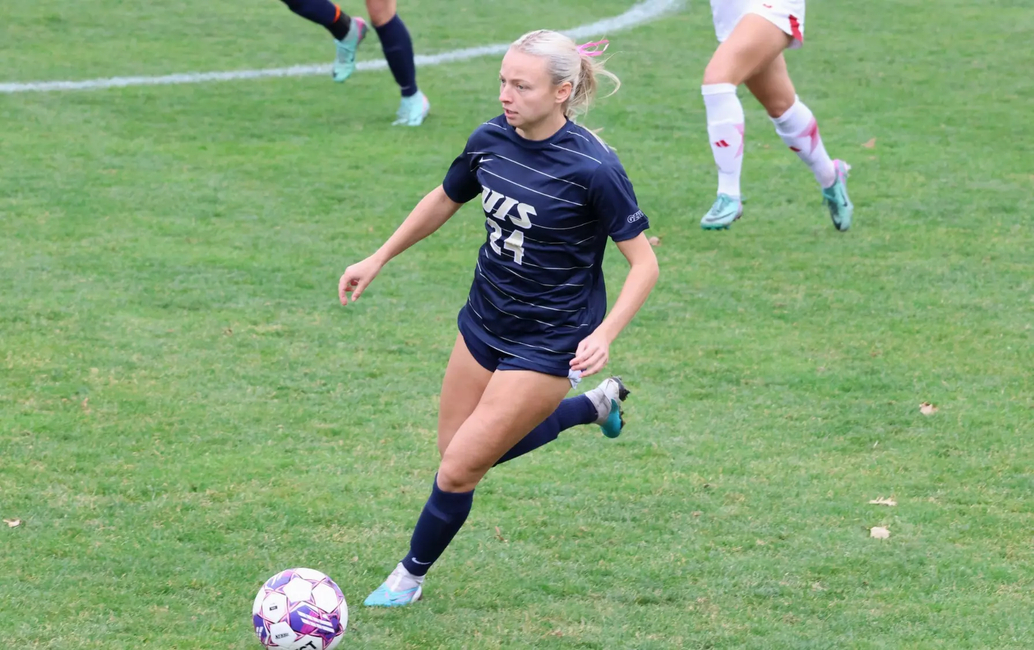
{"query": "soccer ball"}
[(300, 609)]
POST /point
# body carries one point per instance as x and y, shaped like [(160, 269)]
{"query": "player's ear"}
[(563, 92)]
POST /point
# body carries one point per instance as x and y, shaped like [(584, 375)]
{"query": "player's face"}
[(526, 92)]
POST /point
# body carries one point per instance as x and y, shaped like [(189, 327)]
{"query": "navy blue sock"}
[(398, 50), (443, 515), (571, 412), (322, 12)]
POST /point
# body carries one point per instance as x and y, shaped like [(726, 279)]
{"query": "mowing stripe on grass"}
[(638, 14)]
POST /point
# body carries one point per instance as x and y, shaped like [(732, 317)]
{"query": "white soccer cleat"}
[(607, 398), (401, 588)]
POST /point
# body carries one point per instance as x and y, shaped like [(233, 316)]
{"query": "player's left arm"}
[(594, 351)]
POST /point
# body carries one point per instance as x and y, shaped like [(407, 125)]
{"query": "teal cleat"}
[(412, 110), (725, 210), (344, 62), (835, 197), (607, 398), (399, 589)]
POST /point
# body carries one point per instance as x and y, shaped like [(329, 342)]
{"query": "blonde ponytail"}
[(569, 63)]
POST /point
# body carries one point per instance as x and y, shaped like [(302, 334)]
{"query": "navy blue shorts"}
[(492, 359)]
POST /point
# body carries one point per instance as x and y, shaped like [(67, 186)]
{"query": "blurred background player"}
[(536, 317), (349, 32), (753, 35)]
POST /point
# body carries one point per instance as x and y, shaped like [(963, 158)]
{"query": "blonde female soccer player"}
[(535, 319), (753, 35)]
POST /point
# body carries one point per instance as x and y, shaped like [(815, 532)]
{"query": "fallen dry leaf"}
[(85, 405), (880, 501), (879, 532), (655, 241), (926, 408), (870, 144), (12, 523)]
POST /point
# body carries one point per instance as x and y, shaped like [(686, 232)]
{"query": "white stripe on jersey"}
[(541, 284), (523, 302), (555, 268), (532, 169), (553, 325), (548, 196), (486, 328), (598, 140), (558, 243), (577, 152), (512, 272), (584, 223), (484, 324)]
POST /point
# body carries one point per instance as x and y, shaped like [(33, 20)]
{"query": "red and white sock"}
[(725, 129), (800, 131)]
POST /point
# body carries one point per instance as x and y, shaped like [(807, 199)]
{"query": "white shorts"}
[(787, 15)]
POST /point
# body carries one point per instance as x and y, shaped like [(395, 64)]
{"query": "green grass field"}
[(185, 409)]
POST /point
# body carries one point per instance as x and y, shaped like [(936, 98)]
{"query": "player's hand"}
[(356, 278), (592, 354)]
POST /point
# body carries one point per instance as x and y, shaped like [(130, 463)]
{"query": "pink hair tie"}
[(593, 49)]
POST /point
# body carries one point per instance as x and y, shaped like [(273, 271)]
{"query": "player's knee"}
[(777, 106), (381, 11), (720, 71), (458, 475)]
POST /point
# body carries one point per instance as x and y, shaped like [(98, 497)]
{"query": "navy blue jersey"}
[(550, 206)]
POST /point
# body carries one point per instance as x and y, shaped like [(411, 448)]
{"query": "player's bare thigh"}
[(754, 44), (513, 403), (464, 382)]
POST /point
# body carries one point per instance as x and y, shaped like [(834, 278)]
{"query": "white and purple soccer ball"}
[(300, 609)]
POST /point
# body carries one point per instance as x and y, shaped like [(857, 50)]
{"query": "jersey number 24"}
[(499, 207)]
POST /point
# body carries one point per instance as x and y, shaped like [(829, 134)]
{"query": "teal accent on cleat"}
[(723, 212), (615, 423), (607, 398), (344, 62), (841, 210), (385, 597), (401, 588), (412, 110)]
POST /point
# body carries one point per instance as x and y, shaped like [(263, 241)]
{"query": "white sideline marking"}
[(638, 14)]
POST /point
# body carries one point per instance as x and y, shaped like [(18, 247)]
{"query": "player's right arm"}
[(428, 216)]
